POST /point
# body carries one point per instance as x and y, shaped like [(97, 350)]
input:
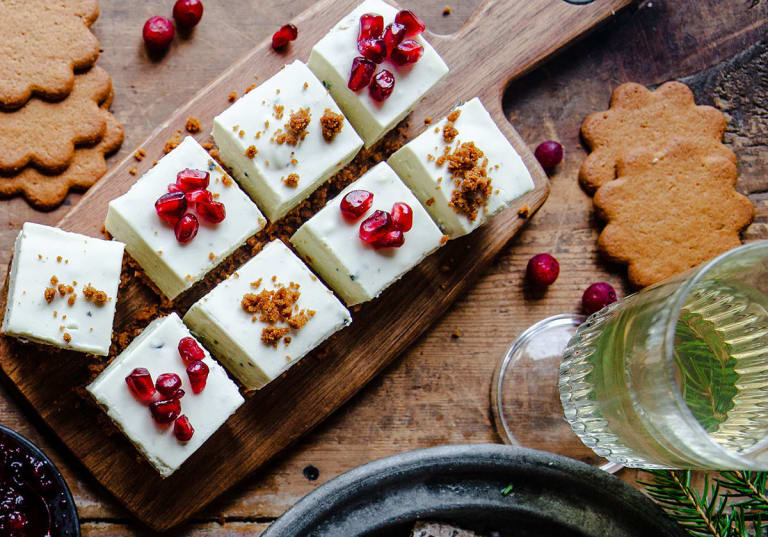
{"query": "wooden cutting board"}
[(504, 39)]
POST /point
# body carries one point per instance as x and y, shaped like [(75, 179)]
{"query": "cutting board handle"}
[(527, 32)]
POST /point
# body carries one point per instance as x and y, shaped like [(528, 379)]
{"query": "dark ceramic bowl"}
[(462, 485), (61, 505)]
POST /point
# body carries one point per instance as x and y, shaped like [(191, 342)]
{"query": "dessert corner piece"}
[(136, 406), (284, 139), (462, 185), (357, 270), (332, 60), (266, 316), (62, 289), (177, 241)]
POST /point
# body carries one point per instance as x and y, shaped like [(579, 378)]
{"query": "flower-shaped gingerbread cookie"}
[(43, 43), (640, 118), (670, 210)]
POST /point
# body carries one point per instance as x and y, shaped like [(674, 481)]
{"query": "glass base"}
[(525, 398)]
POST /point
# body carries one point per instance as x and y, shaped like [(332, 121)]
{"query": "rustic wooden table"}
[(438, 392)]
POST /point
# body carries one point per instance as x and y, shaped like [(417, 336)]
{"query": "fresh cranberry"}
[(409, 51), (597, 296), (284, 35), (393, 35), (212, 211), (158, 33), (198, 375), (549, 154), (139, 381), (187, 13), (168, 384), (402, 216), (182, 429), (361, 73), (200, 195), (394, 238), (186, 228), (170, 207), (382, 85), (413, 25), (190, 350), (543, 270), (165, 411), (375, 226), (356, 203), (370, 26), (372, 48), (189, 179)]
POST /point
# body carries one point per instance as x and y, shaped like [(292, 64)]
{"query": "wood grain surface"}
[(438, 391)]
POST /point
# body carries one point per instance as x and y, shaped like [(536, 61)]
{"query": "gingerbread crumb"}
[(232, 97), (331, 124), (207, 145), (249, 88), (427, 120), (133, 171), (50, 294), (193, 125), (444, 239), (524, 211), (54, 281), (453, 116), (456, 334), (251, 152), (292, 180), (429, 202), (172, 143), (67, 337), (446, 11), (91, 294), (271, 335), (226, 180), (449, 133), (140, 154)]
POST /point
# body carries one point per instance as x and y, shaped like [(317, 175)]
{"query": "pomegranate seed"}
[(187, 13), (158, 33), (190, 350), (179, 394), (168, 384), (409, 51), (393, 36), (356, 204), (549, 154), (284, 35), (402, 216), (186, 228), (182, 429), (189, 180), (543, 270), (372, 48), (362, 71), (199, 196), (170, 207), (370, 26), (394, 238), (382, 85), (17, 521), (198, 375), (413, 24), (597, 296), (173, 187), (165, 411), (140, 384), (375, 226), (212, 211)]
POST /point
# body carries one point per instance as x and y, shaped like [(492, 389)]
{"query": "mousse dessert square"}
[(62, 289), (284, 138), (377, 66), (367, 237), (166, 393), (266, 316), (182, 218), (463, 169)]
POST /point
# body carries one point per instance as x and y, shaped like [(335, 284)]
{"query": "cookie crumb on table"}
[(140, 154), (232, 97), (193, 125), (172, 143), (456, 334), (446, 11)]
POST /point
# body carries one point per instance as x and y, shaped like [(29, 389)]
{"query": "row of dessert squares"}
[(186, 215)]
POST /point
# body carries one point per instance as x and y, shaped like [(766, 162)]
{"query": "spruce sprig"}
[(732, 504)]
